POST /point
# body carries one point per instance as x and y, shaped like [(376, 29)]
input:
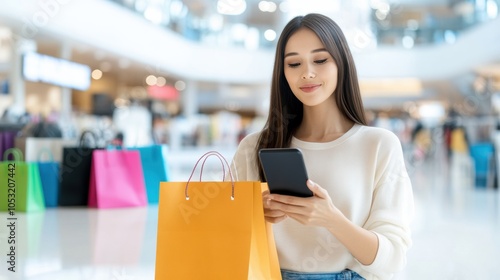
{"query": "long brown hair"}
[(285, 110)]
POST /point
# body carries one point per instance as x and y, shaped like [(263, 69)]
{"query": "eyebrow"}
[(313, 51)]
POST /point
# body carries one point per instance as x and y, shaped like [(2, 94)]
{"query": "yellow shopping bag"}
[(214, 230)]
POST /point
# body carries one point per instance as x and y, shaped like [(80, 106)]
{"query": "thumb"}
[(317, 190)]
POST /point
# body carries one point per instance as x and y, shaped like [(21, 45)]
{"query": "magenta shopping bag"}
[(116, 179)]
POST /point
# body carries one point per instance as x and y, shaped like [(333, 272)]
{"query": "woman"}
[(357, 223)]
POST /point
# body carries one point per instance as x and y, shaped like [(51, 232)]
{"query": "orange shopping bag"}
[(214, 230)]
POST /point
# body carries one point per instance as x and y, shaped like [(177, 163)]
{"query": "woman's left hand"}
[(317, 210)]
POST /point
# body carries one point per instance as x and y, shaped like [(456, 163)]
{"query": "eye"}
[(321, 61), (293, 65)]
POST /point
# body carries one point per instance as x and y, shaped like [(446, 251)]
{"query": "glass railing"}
[(390, 24)]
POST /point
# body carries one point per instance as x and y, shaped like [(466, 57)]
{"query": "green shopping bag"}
[(20, 184)]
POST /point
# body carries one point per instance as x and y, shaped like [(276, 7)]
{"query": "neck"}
[(322, 124)]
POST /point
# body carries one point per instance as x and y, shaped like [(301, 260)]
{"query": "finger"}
[(275, 220), (265, 195), (287, 208), (317, 190), (265, 201), (274, 213), (286, 199), (274, 216)]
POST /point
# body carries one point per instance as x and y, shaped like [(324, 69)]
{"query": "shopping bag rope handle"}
[(221, 162), (204, 158), (88, 133), (15, 152), (45, 151)]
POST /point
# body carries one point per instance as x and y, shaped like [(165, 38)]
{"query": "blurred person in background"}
[(357, 223), (422, 142)]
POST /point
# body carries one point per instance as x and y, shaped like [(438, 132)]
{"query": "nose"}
[(308, 74)]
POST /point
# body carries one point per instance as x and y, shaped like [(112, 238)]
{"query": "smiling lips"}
[(309, 87)]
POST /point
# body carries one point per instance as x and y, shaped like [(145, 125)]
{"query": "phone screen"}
[(285, 171)]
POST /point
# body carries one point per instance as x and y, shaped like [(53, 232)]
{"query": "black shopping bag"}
[(75, 173)]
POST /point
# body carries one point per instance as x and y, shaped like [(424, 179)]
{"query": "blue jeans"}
[(343, 275)]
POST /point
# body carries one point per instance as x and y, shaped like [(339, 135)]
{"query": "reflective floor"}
[(456, 232), (456, 236)]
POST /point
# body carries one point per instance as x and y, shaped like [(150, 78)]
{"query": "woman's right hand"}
[(272, 216)]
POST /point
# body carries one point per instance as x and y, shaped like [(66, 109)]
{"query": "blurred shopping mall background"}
[(194, 76)]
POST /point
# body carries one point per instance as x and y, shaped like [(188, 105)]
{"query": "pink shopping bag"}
[(116, 179)]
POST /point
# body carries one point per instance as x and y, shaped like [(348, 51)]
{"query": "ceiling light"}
[(180, 85), (96, 74), (151, 80), (267, 6), (270, 35), (272, 7), (161, 81), (263, 6), (231, 7)]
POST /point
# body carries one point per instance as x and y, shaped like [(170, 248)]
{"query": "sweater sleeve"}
[(392, 210), (244, 165)]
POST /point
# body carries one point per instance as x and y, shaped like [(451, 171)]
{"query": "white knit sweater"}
[(365, 175)]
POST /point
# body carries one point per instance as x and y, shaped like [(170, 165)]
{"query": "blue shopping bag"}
[(49, 176), (155, 168)]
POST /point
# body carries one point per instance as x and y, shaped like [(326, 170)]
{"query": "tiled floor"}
[(456, 236)]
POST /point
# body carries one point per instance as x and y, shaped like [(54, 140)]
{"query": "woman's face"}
[(310, 70)]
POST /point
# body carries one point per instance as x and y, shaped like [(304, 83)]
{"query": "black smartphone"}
[(285, 171)]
